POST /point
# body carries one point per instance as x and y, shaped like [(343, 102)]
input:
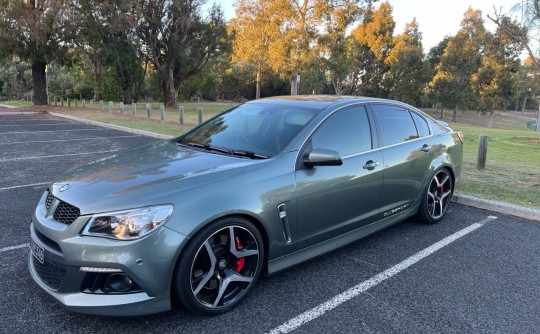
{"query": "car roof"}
[(314, 101)]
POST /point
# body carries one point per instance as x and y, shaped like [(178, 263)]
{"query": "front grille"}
[(66, 213), (52, 274), (49, 200)]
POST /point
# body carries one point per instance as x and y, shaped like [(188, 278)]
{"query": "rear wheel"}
[(437, 197), (219, 266)]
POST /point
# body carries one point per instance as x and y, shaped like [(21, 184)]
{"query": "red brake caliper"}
[(240, 262)]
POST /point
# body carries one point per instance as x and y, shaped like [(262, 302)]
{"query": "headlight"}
[(129, 224)]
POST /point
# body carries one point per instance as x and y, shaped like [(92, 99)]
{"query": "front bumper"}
[(149, 263)]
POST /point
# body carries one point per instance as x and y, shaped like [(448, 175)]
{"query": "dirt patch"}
[(527, 140)]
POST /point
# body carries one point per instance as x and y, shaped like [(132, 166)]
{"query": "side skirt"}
[(326, 246)]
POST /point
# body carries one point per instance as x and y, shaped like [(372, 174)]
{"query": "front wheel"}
[(219, 266), (437, 197)]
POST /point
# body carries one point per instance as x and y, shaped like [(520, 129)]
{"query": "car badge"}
[(64, 187)]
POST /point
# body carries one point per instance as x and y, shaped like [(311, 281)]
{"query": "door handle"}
[(370, 165), (425, 148)]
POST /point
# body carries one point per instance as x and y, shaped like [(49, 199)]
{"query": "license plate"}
[(37, 251)]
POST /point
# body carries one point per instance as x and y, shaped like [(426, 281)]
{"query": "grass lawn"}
[(512, 171), (16, 103)]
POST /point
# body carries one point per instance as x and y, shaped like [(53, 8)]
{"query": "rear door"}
[(407, 149)]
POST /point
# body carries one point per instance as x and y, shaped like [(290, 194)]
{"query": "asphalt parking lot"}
[(476, 271)]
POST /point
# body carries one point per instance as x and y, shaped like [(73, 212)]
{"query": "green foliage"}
[(374, 35), (15, 80), (405, 77), (461, 59)]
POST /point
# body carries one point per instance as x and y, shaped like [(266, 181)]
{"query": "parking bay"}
[(485, 281)]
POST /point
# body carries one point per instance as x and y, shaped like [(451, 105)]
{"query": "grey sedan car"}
[(262, 187)]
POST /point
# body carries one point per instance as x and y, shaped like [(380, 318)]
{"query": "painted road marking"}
[(331, 304), (15, 132), (39, 124), (55, 156), (5, 249), (63, 140), (24, 186)]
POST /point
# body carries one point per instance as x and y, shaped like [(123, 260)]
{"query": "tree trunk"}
[(454, 115), (96, 69), (258, 84), (490, 124), (442, 112), (169, 93), (524, 104), (39, 82), (294, 84)]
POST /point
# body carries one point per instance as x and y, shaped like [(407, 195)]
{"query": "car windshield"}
[(251, 130)]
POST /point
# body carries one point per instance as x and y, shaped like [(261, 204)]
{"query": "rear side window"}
[(346, 131), (395, 123), (421, 125)]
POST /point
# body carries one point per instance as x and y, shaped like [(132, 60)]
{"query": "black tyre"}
[(219, 266), (437, 197)]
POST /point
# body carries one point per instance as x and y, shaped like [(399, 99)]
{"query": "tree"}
[(305, 23), (15, 80), (34, 31), (178, 40), (106, 34), (460, 60), (495, 83), (375, 38), (405, 78), (523, 31), (254, 31)]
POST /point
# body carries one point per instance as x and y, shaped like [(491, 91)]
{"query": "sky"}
[(436, 18)]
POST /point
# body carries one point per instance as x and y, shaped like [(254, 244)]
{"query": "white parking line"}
[(18, 119), (24, 186), (55, 156), (63, 140), (14, 132), (5, 249), (40, 124), (318, 311)]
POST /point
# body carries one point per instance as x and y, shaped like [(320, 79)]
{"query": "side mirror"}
[(322, 157)]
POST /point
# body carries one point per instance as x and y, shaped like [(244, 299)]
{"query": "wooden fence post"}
[(200, 110), (482, 152), (181, 115)]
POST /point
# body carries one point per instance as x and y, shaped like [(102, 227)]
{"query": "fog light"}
[(119, 283)]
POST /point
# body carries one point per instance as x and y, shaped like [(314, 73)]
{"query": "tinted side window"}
[(395, 123), (421, 125), (347, 132)]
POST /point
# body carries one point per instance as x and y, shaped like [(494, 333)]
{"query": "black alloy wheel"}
[(437, 197), (219, 266)]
